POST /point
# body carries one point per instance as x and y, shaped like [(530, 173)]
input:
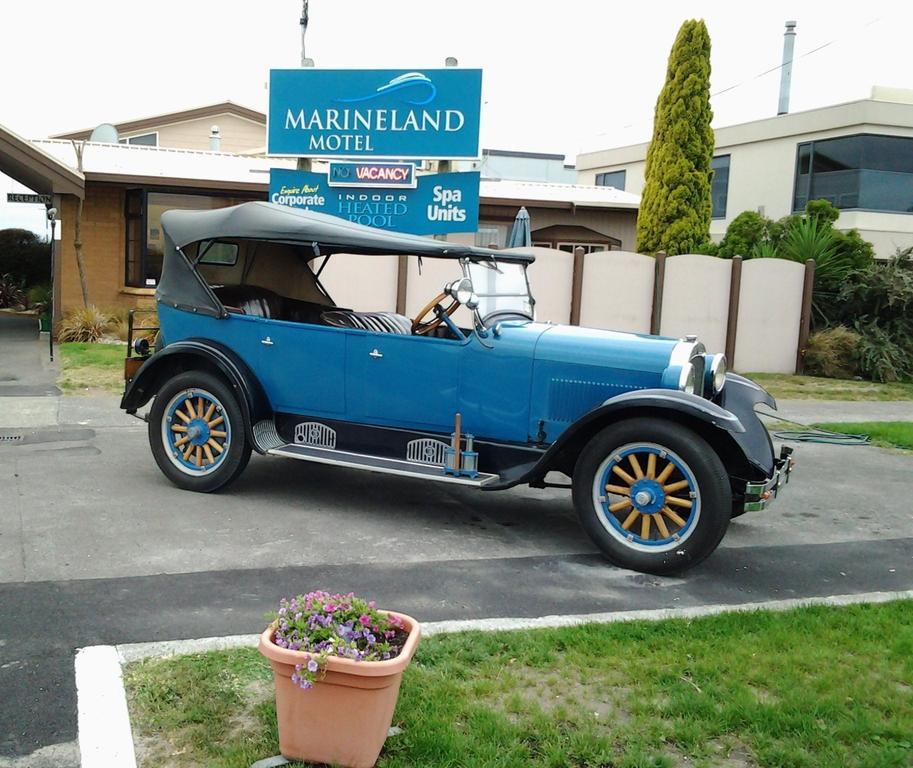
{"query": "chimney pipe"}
[(786, 71), (215, 139)]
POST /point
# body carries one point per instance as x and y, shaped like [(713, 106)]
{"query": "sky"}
[(563, 77)]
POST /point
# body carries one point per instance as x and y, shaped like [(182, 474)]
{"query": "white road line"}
[(105, 738)]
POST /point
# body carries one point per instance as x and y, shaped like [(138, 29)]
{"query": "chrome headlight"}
[(686, 379), (715, 373)]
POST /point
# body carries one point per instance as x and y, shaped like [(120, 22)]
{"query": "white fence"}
[(760, 327)]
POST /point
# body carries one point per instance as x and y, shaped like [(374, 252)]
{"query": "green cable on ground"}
[(814, 435)]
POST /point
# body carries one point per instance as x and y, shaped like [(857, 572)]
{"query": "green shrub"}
[(38, 298), (881, 294), (25, 256), (822, 210), (833, 353), (809, 239), (86, 324), (763, 250), (883, 357), (744, 234), (12, 293)]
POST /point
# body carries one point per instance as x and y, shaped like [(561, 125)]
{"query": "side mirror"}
[(461, 291)]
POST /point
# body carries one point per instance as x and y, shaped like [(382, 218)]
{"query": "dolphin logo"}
[(410, 80)]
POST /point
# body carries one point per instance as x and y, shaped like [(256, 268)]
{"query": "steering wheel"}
[(422, 327)]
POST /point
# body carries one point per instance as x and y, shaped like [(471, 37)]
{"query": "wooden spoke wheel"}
[(647, 495), (421, 327), (652, 494), (197, 432)]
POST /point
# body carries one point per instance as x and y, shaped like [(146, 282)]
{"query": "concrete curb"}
[(103, 722), (105, 737)]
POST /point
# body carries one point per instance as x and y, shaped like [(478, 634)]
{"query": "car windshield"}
[(501, 287)]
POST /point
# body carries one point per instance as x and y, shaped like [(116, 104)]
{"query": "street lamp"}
[(52, 218)]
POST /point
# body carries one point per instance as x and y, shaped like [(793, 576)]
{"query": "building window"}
[(587, 247), (134, 209), (719, 187), (145, 139), (491, 235), (611, 179), (144, 238), (865, 171)]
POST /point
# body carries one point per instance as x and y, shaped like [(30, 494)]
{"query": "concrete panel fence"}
[(757, 312)]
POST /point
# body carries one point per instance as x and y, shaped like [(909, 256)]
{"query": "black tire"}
[(227, 464), (693, 462)]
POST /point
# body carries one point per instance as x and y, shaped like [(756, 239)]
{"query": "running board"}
[(378, 464)]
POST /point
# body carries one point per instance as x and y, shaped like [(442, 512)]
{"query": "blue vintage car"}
[(662, 446)]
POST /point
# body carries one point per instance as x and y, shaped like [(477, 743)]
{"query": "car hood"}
[(608, 349)]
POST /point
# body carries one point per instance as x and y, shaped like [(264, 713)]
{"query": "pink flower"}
[(364, 620)]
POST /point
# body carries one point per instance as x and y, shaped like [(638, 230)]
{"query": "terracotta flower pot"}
[(343, 720)]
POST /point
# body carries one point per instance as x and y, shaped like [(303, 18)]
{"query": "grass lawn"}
[(91, 367), (888, 434), (813, 687), (787, 387)]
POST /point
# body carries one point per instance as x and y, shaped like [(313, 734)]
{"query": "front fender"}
[(731, 427), (739, 397), (207, 355)]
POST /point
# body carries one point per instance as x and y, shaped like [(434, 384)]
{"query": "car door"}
[(496, 383), (302, 367), (403, 381)]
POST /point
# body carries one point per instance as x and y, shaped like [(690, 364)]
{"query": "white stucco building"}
[(858, 155)]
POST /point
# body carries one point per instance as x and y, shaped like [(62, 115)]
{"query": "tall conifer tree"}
[(675, 207)]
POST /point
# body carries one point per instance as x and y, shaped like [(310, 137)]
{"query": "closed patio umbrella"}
[(520, 236)]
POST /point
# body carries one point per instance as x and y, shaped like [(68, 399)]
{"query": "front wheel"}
[(197, 432), (653, 495)]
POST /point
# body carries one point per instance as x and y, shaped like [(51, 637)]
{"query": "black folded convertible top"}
[(269, 221), (182, 287)]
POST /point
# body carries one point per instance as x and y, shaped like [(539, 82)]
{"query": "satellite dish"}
[(104, 134)]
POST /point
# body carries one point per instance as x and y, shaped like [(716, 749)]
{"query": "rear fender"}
[(199, 354)]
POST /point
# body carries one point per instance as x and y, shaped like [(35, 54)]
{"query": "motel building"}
[(857, 155), (214, 156)]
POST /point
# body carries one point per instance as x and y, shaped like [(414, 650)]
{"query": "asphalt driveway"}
[(97, 547)]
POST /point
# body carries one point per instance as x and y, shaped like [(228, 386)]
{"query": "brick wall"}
[(103, 234)]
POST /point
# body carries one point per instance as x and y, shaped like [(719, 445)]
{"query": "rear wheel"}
[(653, 495), (197, 432)]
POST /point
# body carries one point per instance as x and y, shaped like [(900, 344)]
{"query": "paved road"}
[(97, 547)]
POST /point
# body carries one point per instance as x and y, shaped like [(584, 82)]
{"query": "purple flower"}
[(313, 666)]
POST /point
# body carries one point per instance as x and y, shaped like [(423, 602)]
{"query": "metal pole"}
[(51, 309), (304, 163), (304, 29)]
